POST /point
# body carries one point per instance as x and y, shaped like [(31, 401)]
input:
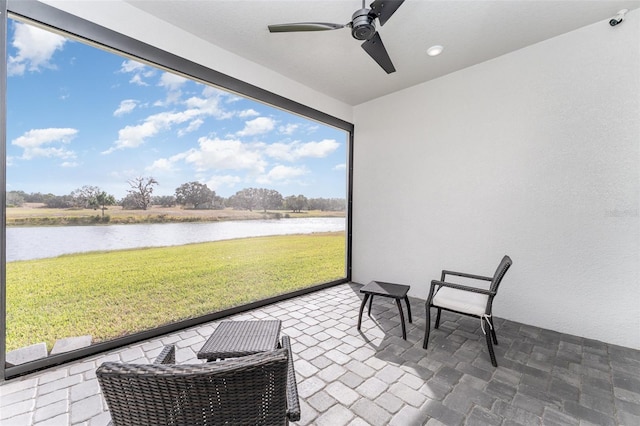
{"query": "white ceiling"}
[(333, 63)]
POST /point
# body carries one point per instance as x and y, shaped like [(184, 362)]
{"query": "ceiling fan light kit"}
[(362, 26)]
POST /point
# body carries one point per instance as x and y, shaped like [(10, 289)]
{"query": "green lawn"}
[(111, 294)]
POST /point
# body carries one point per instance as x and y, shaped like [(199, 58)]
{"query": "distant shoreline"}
[(36, 214)]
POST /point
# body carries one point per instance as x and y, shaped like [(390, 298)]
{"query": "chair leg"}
[(493, 333), (492, 354), (427, 327), (364, 302), (438, 318), (404, 329), (370, 303), (406, 300)]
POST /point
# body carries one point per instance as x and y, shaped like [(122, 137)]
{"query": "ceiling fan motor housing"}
[(362, 25)]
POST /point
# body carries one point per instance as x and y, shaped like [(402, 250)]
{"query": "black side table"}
[(395, 291)]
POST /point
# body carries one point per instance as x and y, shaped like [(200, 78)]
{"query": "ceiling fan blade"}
[(383, 9), (376, 50), (304, 26)]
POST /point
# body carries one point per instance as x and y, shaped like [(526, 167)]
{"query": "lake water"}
[(41, 242)]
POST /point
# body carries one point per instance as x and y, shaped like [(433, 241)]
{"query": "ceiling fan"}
[(362, 26)]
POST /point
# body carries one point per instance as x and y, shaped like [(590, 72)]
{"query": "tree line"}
[(191, 195)]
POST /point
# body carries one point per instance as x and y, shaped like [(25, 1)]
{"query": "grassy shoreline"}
[(38, 215), (110, 294)]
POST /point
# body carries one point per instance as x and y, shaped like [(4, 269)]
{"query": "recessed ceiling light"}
[(435, 50)]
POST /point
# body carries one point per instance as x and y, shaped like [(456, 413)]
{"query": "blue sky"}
[(78, 115)]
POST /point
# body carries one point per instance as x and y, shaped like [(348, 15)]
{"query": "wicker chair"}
[(467, 300), (257, 389)]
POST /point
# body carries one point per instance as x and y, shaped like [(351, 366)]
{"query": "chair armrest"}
[(293, 403), (167, 356), (464, 275), (461, 287)]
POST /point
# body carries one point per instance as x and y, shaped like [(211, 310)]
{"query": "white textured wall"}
[(534, 154), (133, 22)]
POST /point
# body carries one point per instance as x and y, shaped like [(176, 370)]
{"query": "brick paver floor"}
[(374, 377)]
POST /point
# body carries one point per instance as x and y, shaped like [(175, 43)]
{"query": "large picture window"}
[(138, 198)]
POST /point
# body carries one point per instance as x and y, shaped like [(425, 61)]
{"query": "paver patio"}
[(374, 377)]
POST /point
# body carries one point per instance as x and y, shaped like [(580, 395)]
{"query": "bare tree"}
[(82, 196), (141, 191)]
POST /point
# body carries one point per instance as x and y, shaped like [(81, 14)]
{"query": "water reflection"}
[(41, 242)]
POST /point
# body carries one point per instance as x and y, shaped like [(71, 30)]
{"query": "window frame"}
[(86, 31)]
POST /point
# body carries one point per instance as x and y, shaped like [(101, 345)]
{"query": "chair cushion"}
[(461, 301)]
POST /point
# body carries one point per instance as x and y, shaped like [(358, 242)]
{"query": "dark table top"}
[(379, 288), (239, 338)]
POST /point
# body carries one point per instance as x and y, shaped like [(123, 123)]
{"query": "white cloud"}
[(171, 81), (132, 66), (288, 129), (35, 48), (257, 126), (219, 181), (340, 167), (208, 106), (46, 143), (69, 164), (191, 127), (217, 154), (317, 149), (134, 136), (125, 107), (280, 151), (162, 165), (173, 97), (231, 98), (248, 113), (281, 174), (211, 91), (198, 108), (137, 80), (140, 72), (296, 150), (225, 154), (123, 175)]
